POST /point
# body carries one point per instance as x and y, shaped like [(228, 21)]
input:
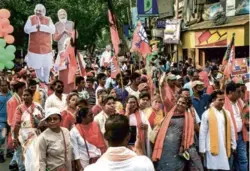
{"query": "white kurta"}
[(133, 122), (34, 60), (79, 148), (219, 162), (132, 92), (137, 163), (54, 101)]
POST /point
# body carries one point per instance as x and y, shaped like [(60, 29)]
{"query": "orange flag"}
[(140, 41), (114, 32)]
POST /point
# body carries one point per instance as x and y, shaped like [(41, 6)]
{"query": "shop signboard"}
[(166, 8), (147, 8), (237, 7), (172, 31), (211, 38)]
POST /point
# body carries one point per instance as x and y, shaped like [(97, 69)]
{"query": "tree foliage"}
[(90, 16)]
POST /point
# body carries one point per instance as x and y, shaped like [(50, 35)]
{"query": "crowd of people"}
[(186, 118)]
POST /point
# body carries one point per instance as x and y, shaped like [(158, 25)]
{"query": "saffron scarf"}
[(169, 99), (92, 134), (213, 132), (228, 106), (118, 154), (188, 133)]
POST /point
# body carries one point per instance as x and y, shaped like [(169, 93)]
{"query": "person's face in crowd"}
[(81, 105), (109, 107), (108, 73), (199, 89), (156, 104), (238, 93), (59, 88), (132, 105), (181, 105), (27, 97), (81, 85), (102, 81), (53, 121), (101, 96), (89, 84), (72, 102), (219, 102), (113, 93), (195, 76), (179, 82), (125, 78), (214, 73), (171, 83), (185, 93), (32, 88), (20, 90), (4, 86), (144, 102), (89, 118), (9, 76)]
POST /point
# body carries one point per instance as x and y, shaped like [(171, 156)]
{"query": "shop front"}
[(206, 42)]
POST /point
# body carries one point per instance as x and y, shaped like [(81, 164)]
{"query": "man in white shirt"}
[(118, 156), (106, 57), (132, 89), (108, 108), (217, 136), (101, 78), (235, 105), (57, 99)]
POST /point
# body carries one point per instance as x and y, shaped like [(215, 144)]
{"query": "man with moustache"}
[(40, 29), (57, 99)]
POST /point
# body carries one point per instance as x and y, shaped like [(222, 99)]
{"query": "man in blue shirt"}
[(5, 95), (200, 100)]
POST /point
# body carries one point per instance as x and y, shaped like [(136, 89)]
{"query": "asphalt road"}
[(5, 166)]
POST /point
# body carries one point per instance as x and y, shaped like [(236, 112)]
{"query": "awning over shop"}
[(208, 35)]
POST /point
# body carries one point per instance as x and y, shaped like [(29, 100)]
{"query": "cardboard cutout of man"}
[(40, 29), (64, 29)]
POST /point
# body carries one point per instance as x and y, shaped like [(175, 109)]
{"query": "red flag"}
[(72, 65), (140, 41), (114, 67), (114, 32), (81, 65)]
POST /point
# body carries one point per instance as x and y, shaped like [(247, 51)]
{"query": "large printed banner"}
[(240, 66), (147, 7)]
